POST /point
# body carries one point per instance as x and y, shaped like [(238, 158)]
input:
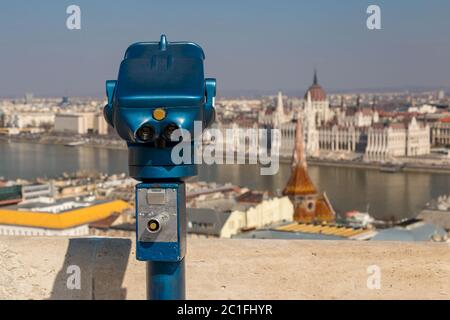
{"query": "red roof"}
[(445, 120), (317, 93)]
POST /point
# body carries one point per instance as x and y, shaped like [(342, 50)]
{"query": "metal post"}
[(166, 280)]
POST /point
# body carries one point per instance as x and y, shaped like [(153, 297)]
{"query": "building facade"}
[(386, 142), (440, 132), (310, 133), (319, 102), (357, 117), (339, 138), (275, 118), (81, 123), (210, 222), (23, 120)]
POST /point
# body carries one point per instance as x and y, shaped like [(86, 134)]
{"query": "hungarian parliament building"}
[(341, 130)]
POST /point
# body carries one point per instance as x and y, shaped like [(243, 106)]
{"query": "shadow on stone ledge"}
[(93, 269)]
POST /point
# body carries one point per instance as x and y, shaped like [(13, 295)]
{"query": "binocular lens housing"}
[(146, 133), (168, 130)]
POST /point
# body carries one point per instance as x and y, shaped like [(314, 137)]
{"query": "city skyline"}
[(252, 48)]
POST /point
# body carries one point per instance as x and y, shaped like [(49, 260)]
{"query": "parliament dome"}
[(316, 91)]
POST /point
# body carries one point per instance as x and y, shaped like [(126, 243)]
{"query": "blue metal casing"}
[(169, 77), (164, 251), (166, 75)]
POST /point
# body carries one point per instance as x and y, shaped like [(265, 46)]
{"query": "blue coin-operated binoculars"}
[(161, 88)]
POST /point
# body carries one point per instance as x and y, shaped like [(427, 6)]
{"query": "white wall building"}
[(10, 230), (338, 138), (277, 117), (440, 132), (397, 140), (424, 109), (205, 222), (418, 139), (81, 123), (361, 117), (319, 102), (27, 119), (310, 132)]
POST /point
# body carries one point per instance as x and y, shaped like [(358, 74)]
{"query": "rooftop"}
[(75, 215), (316, 91)]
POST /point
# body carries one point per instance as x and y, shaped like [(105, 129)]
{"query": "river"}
[(389, 195)]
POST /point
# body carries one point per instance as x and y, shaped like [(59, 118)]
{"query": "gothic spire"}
[(299, 151), (315, 77), (280, 107)]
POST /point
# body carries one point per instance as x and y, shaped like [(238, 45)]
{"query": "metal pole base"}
[(166, 280)]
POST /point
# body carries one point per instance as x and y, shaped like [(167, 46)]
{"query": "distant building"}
[(235, 137), (310, 132), (339, 138), (319, 102), (280, 115), (314, 112), (64, 101), (25, 193), (385, 142), (27, 119), (357, 117), (309, 205), (440, 132), (29, 98), (36, 191), (10, 195), (424, 109), (224, 217), (277, 117), (81, 123)]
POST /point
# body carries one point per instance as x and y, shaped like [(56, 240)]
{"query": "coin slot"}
[(153, 225)]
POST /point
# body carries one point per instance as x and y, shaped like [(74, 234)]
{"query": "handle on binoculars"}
[(107, 111), (210, 94)]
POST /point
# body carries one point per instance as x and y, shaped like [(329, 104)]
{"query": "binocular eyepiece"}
[(147, 134), (160, 89)]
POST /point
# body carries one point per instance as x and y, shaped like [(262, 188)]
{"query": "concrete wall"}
[(81, 123), (37, 268), (69, 123)]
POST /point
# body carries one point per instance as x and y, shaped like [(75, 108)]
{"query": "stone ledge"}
[(36, 268)]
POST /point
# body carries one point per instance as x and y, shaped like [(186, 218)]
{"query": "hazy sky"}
[(250, 45)]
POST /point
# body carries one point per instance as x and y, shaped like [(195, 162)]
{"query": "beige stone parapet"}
[(42, 268)]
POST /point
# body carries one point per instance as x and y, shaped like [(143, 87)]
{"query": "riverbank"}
[(409, 167), (113, 144), (92, 142)]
